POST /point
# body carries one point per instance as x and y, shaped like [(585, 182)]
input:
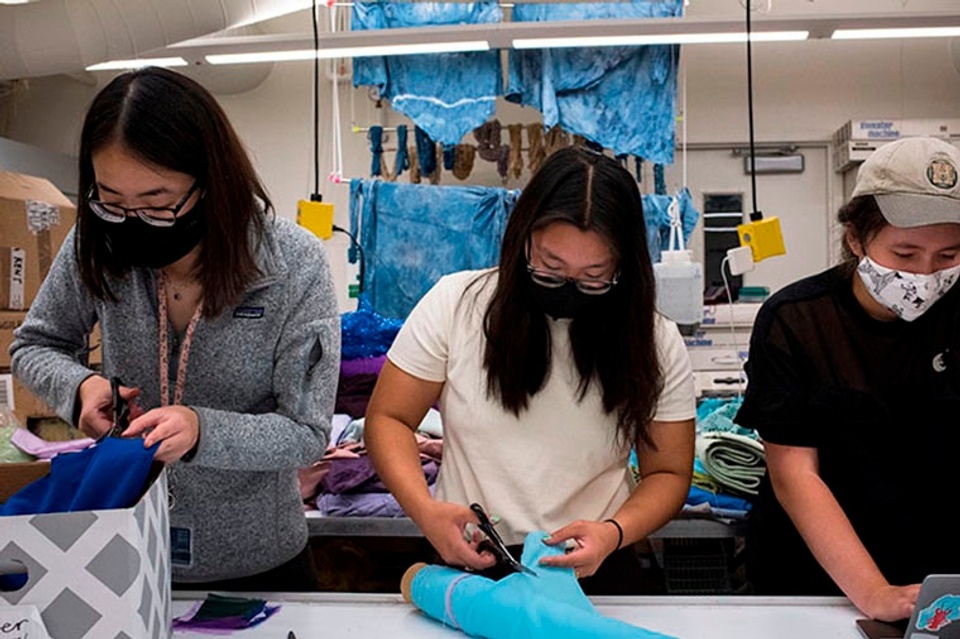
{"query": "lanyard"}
[(165, 347)]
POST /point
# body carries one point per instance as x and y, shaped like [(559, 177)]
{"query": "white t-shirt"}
[(559, 460)]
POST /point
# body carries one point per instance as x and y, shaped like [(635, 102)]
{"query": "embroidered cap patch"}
[(942, 174)]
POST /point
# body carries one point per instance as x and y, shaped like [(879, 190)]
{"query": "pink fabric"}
[(42, 449)]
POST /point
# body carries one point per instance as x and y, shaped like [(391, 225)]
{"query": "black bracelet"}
[(619, 532)]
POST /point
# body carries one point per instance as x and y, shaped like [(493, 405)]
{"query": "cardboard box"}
[(34, 220), (10, 320), (91, 574), (21, 400)]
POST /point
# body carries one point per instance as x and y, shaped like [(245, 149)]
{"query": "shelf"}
[(404, 527)]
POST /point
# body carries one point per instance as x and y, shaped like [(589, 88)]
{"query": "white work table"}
[(340, 615)]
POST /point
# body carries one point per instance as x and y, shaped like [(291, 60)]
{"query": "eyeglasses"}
[(152, 215), (588, 287)]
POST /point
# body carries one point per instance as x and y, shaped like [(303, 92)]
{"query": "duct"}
[(66, 36)]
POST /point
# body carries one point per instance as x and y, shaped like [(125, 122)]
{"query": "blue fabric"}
[(698, 495), (376, 149), (657, 217), (403, 157), (449, 156), (414, 234), (446, 94), (520, 606), (111, 474), (623, 98), (716, 415), (426, 152), (659, 180), (365, 333)]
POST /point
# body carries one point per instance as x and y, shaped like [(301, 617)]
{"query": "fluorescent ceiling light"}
[(14, 1), (664, 38), (139, 63), (918, 32), (350, 52)]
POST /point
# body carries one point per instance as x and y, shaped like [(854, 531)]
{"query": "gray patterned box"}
[(100, 574)]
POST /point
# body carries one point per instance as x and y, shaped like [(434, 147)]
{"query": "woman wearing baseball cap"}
[(854, 387)]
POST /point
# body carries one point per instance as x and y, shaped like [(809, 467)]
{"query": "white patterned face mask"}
[(909, 295)]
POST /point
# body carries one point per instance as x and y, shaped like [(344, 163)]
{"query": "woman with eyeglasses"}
[(220, 320), (547, 370)]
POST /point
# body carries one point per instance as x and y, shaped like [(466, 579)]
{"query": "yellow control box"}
[(316, 217), (763, 237)]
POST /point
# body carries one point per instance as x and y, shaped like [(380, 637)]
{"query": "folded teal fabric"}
[(550, 605)]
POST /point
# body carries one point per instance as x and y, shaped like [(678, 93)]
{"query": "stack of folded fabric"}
[(728, 465), (735, 461), (345, 484)]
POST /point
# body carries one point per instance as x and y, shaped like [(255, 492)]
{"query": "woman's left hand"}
[(593, 542), (177, 428)]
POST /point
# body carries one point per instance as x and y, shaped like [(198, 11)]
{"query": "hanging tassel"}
[(536, 153), (403, 159), (375, 135)]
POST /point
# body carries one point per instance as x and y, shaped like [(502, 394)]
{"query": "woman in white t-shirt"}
[(547, 370)]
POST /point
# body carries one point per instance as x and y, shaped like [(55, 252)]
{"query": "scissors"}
[(496, 543), (121, 410)]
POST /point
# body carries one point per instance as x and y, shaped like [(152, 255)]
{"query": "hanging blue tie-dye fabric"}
[(623, 98), (414, 234), (656, 214), (445, 94)]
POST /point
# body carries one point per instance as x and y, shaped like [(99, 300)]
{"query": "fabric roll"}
[(735, 461), (550, 605)]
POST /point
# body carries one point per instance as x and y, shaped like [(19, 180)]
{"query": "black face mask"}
[(133, 242), (564, 302)]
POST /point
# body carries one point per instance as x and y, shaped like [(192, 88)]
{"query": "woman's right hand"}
[(96, 405), (891, 603), (443, 523)]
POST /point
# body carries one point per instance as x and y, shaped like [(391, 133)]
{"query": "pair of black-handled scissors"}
[(121, 410), (496, 542)]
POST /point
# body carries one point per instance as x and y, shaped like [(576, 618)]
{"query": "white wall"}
[(803, 92)]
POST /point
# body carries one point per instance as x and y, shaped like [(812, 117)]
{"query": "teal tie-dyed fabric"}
[(446, 94), (623, 98), (414, 234)]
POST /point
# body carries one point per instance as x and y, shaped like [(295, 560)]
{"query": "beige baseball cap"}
[(914, 180)]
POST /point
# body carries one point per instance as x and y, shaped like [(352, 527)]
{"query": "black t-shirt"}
[(880, 401)]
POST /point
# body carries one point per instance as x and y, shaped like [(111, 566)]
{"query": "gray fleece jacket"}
[(262, 377)]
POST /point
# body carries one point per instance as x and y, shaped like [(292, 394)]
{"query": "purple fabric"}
[(221, 625), (42, 449), (362, 366), (359, 476), (353, 394), (359, 505)]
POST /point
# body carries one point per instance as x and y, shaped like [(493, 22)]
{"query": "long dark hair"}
[(168, 120), (613, 344), (862, 216)]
